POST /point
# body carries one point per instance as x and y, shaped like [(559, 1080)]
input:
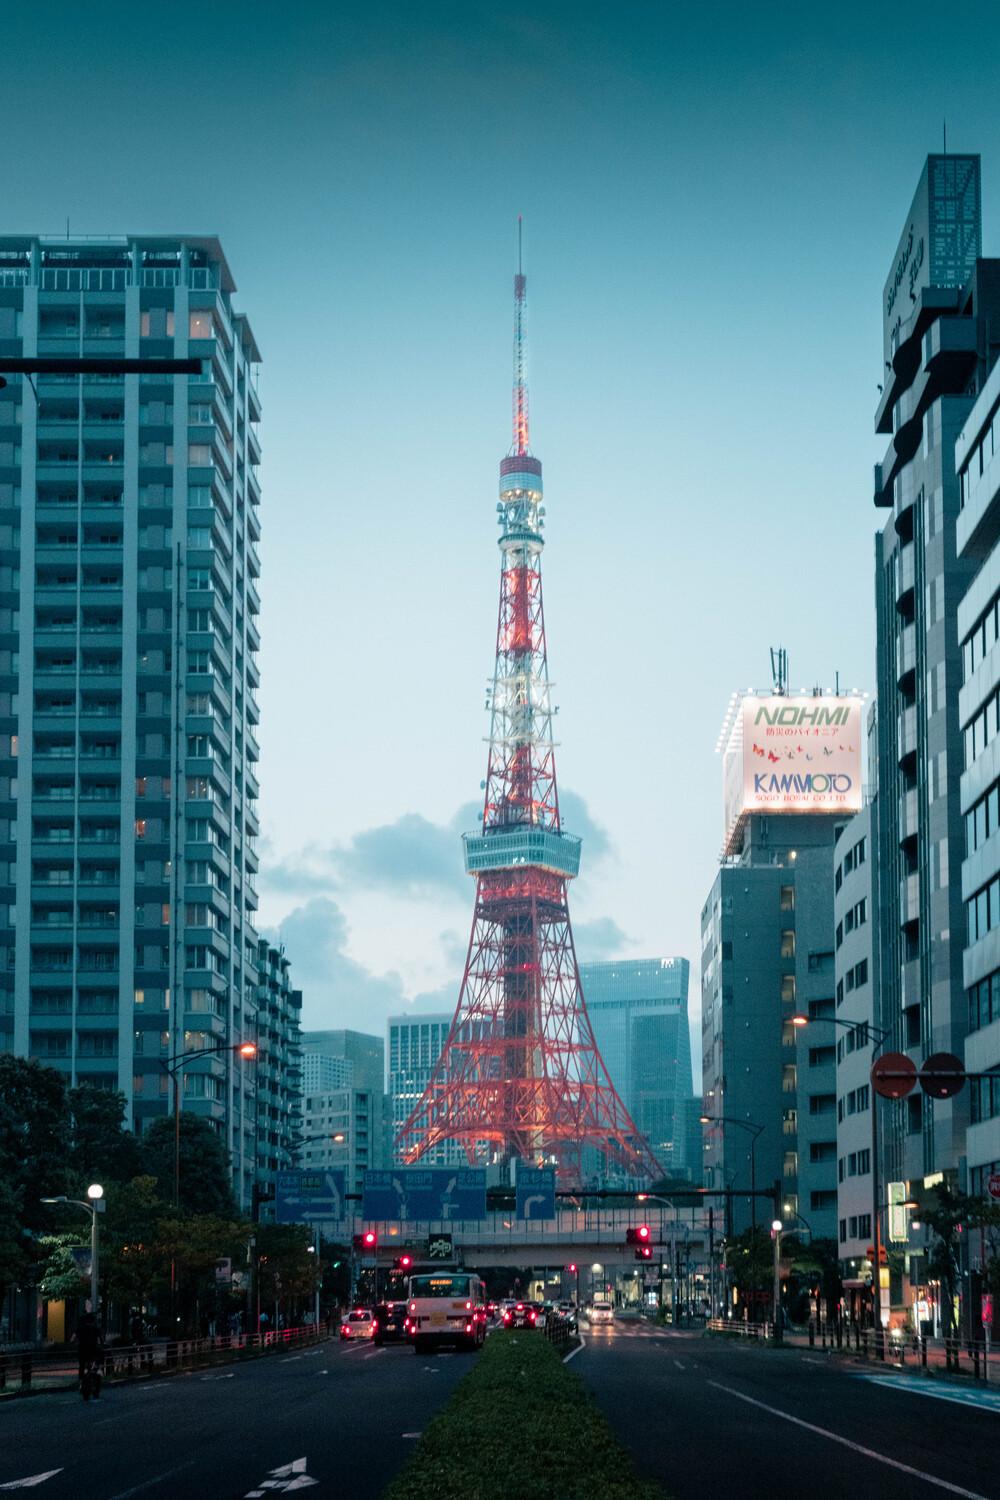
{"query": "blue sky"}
[(711, 197)]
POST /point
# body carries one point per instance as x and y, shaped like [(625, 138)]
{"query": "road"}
[(710, 1417), (350, 1411)]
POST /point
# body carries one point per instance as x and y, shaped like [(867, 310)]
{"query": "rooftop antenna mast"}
[(521, 442), (779, 670)]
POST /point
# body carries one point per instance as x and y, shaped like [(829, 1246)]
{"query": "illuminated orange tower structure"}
[(520, 1075)]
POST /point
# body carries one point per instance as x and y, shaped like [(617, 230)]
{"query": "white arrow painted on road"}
[(298, 1466), (31, 1481), (285, 1478)]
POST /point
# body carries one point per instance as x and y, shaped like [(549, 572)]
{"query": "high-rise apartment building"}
[(977, 543), (320, 1072), (279, 1122), (128, 675), (941, 328), (638, 1009), (415, 1042)]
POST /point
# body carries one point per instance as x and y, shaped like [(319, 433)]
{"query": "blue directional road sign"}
[(432, 1193), (309, 1197), (535, 1192)]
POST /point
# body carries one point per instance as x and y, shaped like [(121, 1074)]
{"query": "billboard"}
[(792, 755)]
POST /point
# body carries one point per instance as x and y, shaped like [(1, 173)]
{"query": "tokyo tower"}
[(520, 1075)]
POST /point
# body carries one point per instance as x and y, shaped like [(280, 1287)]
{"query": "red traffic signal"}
[(644, 1252), (369, 1239), (638, 1236), (572, 1267), (402, 1263)]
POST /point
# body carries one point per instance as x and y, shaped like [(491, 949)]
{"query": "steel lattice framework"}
[(520, 1075)]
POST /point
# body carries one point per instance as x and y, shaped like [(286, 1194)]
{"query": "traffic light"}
[(644, 1252), (642, 1235), (367, 1241), (572, 1268), (402, 1262)]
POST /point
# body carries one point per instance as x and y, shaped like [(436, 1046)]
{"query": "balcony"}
[(909, 899), (908, 816), (905, 579), (906, 736), (906, 655)]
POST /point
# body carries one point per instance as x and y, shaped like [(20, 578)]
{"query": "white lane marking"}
[(410, 1434), (573, 1352), (158, 1479), (33, 1479), (322, 1372), (835, 1437), (374, 1353), (680, 1366)]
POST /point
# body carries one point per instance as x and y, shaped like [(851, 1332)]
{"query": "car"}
[(390, 1322), (493, 1311), (600, 1311), (520, 1315), (359, 1323)]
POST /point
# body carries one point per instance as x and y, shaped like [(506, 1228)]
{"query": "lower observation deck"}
[(506, 849)]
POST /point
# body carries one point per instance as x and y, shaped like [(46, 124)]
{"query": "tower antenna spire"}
[(521, 442)]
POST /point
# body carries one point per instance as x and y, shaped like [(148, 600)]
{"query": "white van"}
[(446, 1307), (601, 1311)]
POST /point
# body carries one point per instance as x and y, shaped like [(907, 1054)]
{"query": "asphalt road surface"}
[(713, 1418), (336, 1419)]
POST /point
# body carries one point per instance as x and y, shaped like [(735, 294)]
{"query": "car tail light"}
[(468, 1327), (520, 1307), (468, 1306), (413, 1307), (506, 1317), (531, 1316), (374, 1325)]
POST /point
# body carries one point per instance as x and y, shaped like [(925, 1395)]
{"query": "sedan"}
[(520, 1315)]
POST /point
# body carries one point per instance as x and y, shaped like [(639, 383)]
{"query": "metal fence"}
[(891, 1348), (57, 1369)]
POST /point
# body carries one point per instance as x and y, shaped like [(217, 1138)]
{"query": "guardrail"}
[(57, 1369)]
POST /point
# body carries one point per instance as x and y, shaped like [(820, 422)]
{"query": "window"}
[(199, 454), (200, 323), (787, 898), (788, 943), (984, 1001)]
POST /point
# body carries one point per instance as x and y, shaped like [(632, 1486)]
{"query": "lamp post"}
[(754, 1130), (94, 1206), (246, 1050), (881, 1036), (776, 1228)]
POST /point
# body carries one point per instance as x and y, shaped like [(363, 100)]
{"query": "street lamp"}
[(776, 1228), (754, 1131), (94, 1206), (247, 1050), (881, 1036)]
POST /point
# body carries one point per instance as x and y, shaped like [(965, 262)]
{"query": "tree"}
[(62, 1278), (286, 1263), (102, 1149), (34, 1139), (205, 1182), (954, 1215)]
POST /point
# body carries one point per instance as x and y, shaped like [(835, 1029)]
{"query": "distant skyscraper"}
[(321, 1072), (364, 1053), (128, 677), (638, 1009), (416, 1041), (344, 1097)]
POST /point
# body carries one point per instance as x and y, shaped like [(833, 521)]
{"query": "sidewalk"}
[(937, 1357)]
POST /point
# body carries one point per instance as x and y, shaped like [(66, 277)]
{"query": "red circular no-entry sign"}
[(942, 1075), (894, 1075)]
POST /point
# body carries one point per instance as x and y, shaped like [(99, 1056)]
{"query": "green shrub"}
[(520, 1425)]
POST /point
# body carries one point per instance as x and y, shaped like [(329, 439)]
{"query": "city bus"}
[(445, 1306)]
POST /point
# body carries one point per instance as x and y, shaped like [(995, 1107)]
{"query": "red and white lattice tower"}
[(520, 1075)]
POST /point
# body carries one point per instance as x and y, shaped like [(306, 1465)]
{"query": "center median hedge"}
[(520, 1425)]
